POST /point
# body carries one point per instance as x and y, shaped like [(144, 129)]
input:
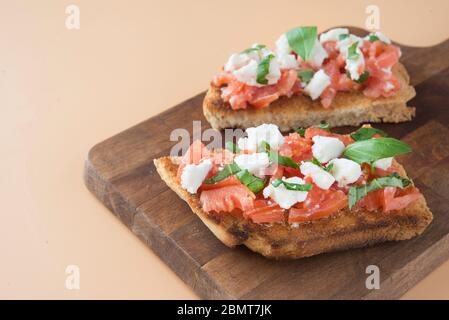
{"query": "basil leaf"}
[(367, 151), (366, 133), (252, 182), (227, 171), (323, 125), (363, 77), (263, 69), (292, 186), (343, 36), (305, 75), (257, 47), (302, 40), (352, 51), (301, 131), (276, 158), (329, 167), (393, 180), (373, 37), (232, 147), (264, 146), (315, 162)]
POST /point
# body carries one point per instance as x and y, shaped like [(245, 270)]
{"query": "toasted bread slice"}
[(342, 230), (348, 108)]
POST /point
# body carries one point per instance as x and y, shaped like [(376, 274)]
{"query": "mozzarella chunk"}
[(283, 52), (244, 66), (193, 175), (345, 171), (325, 149), (318, 54), (287, 61), (320, 177), (333, 34), (284, 197), (254, 162), (353, 66), (282, 45), (317, 84), (236, 61), (384, 163), (265, 132)]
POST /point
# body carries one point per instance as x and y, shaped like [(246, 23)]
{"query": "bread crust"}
[(342, 230), (348, 108)]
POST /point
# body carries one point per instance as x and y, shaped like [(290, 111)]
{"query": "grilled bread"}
[(342, 230), (348, 108)]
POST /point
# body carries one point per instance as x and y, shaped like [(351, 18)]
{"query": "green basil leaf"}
[(264, 146), (263, 69), (255, 48), (343, 36), (352, 51), (394, 180), (329, 167), (302, 40), (292, 186), (276, 158), (323, 125), (231, 146), (253, 183), (315, 162), (367, 151), (227, 171), (366, 133), (301, 131), (305, 75), (373, 37), (363, 77)]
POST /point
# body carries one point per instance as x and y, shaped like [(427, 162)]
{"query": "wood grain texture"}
[(120, 173)]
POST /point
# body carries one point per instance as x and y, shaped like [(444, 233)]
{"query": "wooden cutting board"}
[(120, 173)]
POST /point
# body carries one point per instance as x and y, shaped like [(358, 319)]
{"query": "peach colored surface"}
[(62, 91)]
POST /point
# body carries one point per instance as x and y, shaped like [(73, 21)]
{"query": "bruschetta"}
[(337, 77), (299, 195)]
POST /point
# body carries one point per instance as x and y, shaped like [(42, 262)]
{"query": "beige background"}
[(63, 91)]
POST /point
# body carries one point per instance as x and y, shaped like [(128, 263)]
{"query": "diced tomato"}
[(319, 204), (230, 181), (394, 200), (372, 201), (196, 152), (265, 211), (296, 147), (222, 157), (311, 132), (227, 198)]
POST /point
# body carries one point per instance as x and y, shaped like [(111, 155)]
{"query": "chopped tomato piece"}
[(312, 131), (230, 181), (405, 197), (265, 211), (296, 147), (332, 202), (227, 198)]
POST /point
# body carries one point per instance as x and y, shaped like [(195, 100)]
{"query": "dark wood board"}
[(120, 173)]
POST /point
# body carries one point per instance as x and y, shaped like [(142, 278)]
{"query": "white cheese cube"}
[(284, 197), (193, 175), (320, 177), (265, 132), (317, 55), (333, 34), (319, 82), (325, 149), (254, 162), (345, 171), (384, 163)]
